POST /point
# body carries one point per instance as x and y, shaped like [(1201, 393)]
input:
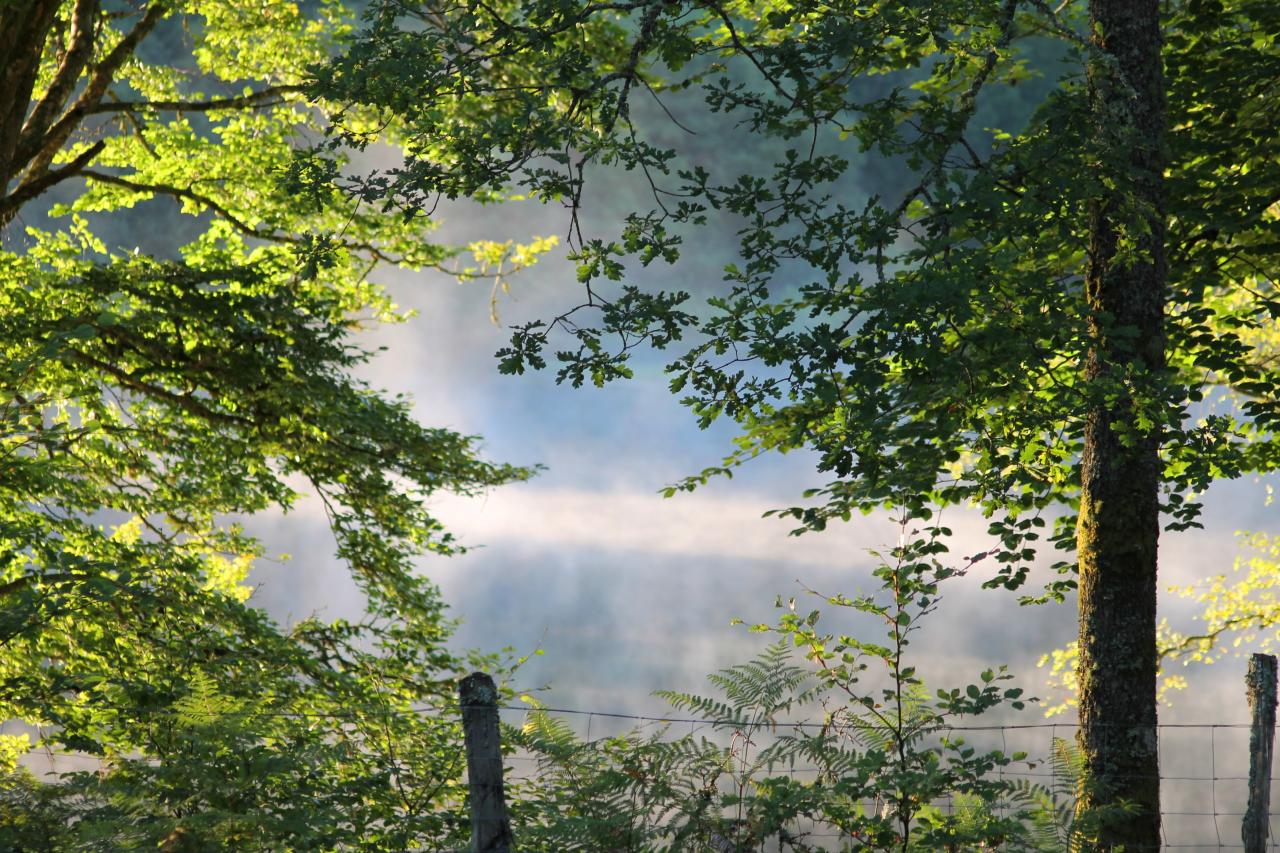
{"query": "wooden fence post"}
[(490, 827), (1261, 684)]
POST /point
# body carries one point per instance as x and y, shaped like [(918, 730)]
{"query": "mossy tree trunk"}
[(1119, 524)]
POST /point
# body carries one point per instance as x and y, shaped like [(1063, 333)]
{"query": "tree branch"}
[(26, 28), (190, 195), (19, 583), (187, 403), (31, 188), (968, 103), (39, 149), (272, 235), (253, 99), (64, 80)]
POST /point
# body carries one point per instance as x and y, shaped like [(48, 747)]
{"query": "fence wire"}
[(1204, 781), (1203, 765)]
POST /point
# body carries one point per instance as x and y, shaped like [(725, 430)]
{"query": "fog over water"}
[(626, 592)]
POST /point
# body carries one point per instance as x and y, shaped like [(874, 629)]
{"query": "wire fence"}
[(1203, 766)]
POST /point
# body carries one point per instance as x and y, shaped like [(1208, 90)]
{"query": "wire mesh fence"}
[(1203, 766)]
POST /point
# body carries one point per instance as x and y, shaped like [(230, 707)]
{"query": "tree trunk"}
[(24, 28), (1119, 525)]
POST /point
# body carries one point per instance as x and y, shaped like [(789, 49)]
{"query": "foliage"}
[(1062, 315), (152, 397), (1237, 610), (1056, 821), (882, 771), (922, 336)]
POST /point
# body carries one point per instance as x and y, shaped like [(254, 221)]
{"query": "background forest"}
[(195, 352)]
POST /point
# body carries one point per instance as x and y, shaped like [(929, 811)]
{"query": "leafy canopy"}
[(910, 211), (162, 376)]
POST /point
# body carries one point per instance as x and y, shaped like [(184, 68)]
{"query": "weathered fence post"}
[(1261, 684), (490, 828)]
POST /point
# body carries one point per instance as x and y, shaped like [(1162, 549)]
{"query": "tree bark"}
[(1119, 522), (24, 28)]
